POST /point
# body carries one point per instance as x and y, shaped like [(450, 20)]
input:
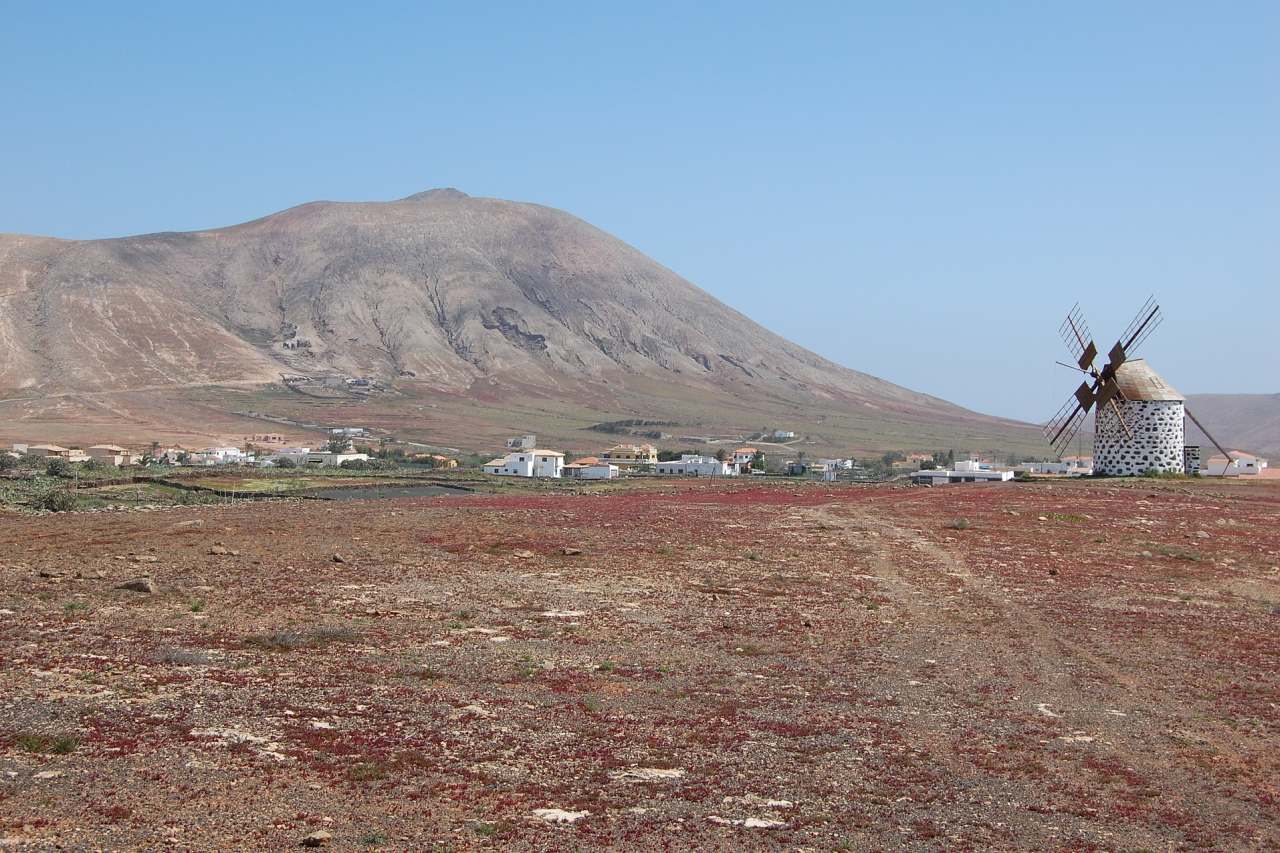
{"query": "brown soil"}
[(1080, 665)]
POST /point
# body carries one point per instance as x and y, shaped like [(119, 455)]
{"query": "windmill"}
[(1138, 417)]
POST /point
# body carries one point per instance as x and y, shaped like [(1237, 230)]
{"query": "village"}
[(353, 451)]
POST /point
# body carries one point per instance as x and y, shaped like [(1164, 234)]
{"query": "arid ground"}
[(683, 666)]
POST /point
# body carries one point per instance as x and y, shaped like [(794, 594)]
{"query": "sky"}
[(916, 190)]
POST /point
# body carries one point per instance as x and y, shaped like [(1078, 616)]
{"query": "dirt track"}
[(719, 668)]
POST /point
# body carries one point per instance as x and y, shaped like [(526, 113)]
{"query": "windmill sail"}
[(1148, 319)]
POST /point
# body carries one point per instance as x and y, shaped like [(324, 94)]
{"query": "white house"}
[(591, 468), (219, 456), (1070, 466), (742, 459), (966, 471), (522, 442), (1241, 464), (783, 434), (693, 465), (527, 463), (296, 455), (329, 459), (169, 455)]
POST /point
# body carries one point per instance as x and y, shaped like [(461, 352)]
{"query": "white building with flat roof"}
[(693, 465), (966, 471), (527, 463)]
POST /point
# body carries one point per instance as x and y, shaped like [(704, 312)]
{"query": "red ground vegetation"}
[(1079, 666)]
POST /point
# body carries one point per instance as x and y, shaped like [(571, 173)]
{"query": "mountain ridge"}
[(435, 291)]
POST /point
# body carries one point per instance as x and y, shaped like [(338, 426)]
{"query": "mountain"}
[(479, 315), (1248, 422)]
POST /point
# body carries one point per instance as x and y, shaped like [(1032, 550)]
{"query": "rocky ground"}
[(1067, 665)]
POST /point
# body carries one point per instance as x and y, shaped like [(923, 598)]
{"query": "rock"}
[(1146, 553), (571, 552), (49, 774), (50, 573), (1202, 534), (219, 550), (319, 838), (522, 554), (647, 774), (337, 558), (1053, 572), (559, 815), (146, 585), (145, 558)]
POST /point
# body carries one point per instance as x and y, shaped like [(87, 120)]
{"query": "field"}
[(480, 421), (1066, 665)]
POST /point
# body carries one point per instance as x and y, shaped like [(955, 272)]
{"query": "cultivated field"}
[(687, 667)]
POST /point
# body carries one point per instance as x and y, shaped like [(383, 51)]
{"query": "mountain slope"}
[(1248, 422), (438, 293)]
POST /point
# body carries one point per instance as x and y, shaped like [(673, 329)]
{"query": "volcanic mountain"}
[(443, 315)]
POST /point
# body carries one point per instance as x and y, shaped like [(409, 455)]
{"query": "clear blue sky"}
[(919, 191)]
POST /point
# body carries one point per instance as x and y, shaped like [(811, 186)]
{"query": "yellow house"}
[(625, 455), (49, 450), (112, 454)]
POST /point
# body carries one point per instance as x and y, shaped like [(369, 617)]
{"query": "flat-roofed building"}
[(631, 455)]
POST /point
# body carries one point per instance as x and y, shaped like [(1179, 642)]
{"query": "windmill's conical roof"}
[(1137, 381)]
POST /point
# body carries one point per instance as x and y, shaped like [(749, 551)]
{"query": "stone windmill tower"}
[(1140, 419), (1144, 429)]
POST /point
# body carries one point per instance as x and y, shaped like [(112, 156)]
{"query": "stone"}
[(522, 554), (319, 838), (146, 585), (50, 573), (337, 558), (647, 774), (571, 552), (559, 815), (219, 550), (145, 558)]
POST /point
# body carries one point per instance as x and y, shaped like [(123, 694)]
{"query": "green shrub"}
[(57, 467), (56, 500), (50, 744)]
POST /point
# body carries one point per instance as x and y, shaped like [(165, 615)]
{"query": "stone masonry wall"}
[(1157, 442)]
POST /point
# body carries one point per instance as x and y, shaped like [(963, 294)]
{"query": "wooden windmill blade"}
[(1074, 332), (1146, 321), (1063, 426)]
